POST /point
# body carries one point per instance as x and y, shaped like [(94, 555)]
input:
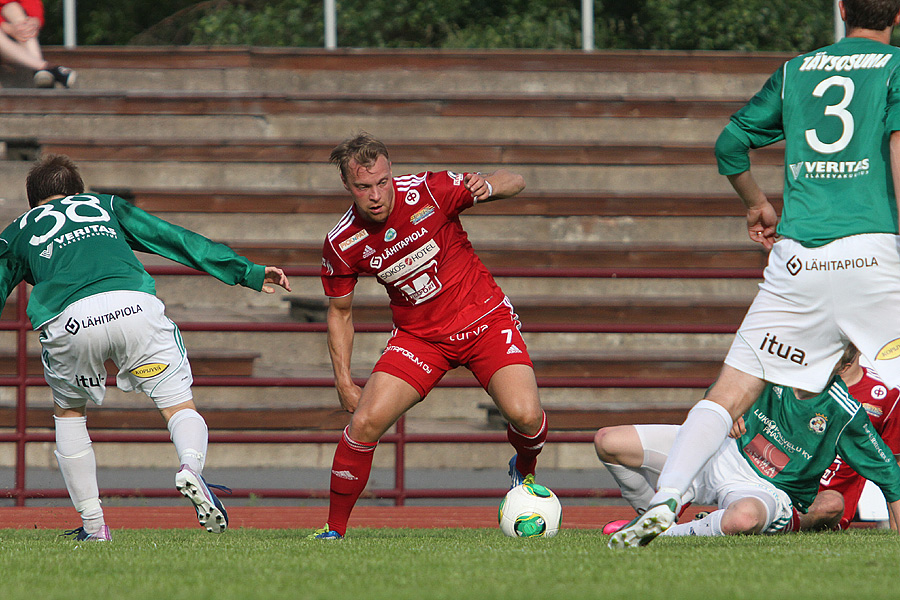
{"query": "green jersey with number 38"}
[(82, 245), (835, 108)]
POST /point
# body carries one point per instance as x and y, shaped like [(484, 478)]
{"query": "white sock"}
[(189, 433), (704, 430), (634, 485), (78, 466), (710, 525)]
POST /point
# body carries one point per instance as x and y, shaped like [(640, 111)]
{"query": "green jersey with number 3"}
[(75, 247), (835, 109)]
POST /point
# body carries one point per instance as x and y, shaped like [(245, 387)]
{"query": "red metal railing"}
[(399, 438)]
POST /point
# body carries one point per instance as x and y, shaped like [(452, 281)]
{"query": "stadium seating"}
[(616, 149)]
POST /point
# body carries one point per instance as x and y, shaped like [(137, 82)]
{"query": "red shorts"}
[(848, 483), (485, 347)]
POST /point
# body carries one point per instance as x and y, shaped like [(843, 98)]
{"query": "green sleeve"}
[(12, 272), (147, 233), (864, 450), (892, 116), (757, 124), (732, 151)]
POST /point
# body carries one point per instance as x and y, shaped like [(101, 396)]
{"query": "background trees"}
[(778, 25)]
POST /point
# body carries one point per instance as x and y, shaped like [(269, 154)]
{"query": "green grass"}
[(449, 563)]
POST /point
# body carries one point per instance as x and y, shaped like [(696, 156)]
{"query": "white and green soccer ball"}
[(530, 510)]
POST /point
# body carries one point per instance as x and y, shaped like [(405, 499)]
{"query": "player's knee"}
[(746, 516), (608, 444), (364, 428), (826, 510), (527, 417), (832, 504)]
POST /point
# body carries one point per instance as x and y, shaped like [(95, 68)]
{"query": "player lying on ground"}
[(788, 441), (447, 310), (841, 487), (93, 301), (833, 274)]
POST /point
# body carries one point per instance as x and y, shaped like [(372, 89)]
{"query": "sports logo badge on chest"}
[(818, 423)]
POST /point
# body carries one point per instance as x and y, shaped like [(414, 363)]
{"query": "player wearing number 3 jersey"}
[(446, 307), (833, 275), (93, 301)]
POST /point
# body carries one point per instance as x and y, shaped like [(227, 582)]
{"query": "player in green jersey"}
[(783, 445), (93, 301), (833, 275)]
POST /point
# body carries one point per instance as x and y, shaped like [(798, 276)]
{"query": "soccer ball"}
[(530, 510)]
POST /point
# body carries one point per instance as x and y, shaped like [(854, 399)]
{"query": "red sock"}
[(349, 475), (794, 525), (527, 447)]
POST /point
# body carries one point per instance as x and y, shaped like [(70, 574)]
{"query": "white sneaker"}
[(43, 79), (644, 528), (210, 511)]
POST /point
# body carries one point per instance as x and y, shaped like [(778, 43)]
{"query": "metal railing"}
[(330, 18), (400, 439)]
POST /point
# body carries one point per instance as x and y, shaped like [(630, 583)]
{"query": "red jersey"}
[(421, 255), (32, 8), (880, 403)]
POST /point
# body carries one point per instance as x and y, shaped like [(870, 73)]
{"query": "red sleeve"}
[(338, 279), (890, 432), (449, 192), (32, 8)]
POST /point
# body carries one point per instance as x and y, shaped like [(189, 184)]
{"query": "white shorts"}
[(812, 302), (129, 328), (726, 478)]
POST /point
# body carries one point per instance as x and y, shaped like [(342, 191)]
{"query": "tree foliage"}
[(753, 25)]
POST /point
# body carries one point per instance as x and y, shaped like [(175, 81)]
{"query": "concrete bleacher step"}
[(435, 104), (549, 203), (537, 300), (622, 364), (321, 418), (562, 418), (204, 362), (701, 365), (445, 116), (541, 255), (592, 418), (657, 73), (305, 151), (665, 312), (699, 179)]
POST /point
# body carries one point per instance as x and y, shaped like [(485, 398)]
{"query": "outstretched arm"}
[(145, 232), (340, 348), (494, 186)]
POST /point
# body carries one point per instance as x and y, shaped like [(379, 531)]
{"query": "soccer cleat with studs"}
[(325, 534), (210, 512), (644, 528), (614, 526), (516, 478), (81, 535)]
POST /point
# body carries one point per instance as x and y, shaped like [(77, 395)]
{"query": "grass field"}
[(444, 563)]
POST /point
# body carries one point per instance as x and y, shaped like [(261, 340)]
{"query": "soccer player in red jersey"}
[(447, 310), (841, 486)]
